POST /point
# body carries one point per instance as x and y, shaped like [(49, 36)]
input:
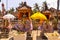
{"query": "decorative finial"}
[(2, 4)]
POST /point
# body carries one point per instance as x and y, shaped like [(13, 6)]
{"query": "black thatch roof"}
[(24, 5)]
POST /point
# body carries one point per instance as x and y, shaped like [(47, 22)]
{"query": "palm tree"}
[(11, 10), (45, 7), (34, 10), (36, 7)]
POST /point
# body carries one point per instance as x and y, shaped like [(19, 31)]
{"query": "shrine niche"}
[(23, 11), (47, 14)]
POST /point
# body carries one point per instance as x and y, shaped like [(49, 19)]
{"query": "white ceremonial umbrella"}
[(9, 17)]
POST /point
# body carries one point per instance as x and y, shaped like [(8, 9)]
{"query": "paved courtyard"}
[(34, 34)]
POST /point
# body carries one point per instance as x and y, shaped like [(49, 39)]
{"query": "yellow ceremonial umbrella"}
[(38, 15)]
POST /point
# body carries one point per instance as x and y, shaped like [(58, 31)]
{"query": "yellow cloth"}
[(38, 15)]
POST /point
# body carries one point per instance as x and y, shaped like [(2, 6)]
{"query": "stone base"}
[(29, 38), (9, 38), (39, 38)]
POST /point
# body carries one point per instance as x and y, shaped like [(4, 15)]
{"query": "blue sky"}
[(15, 3)]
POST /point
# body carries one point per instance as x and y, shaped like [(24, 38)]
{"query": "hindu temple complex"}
[(23, 23), (24, 11)]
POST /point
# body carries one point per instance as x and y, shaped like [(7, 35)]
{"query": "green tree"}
[(34, 10), (11, 10), (45, 7), (36, 7)]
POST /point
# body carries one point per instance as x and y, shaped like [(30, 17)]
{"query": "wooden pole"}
[(57, 9)]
